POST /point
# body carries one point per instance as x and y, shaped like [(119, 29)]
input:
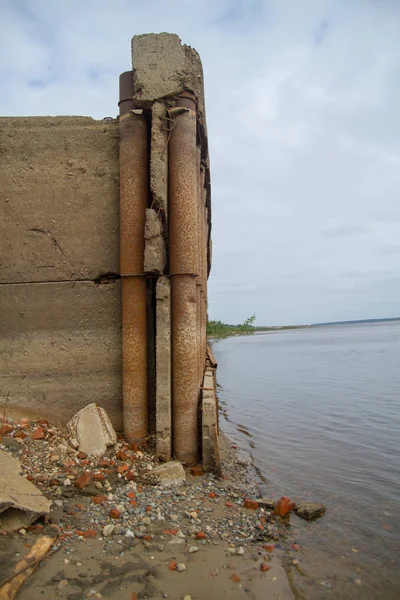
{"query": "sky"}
[(302, 101)]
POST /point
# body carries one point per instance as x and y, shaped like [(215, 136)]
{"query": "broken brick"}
[(173, 565), (82, 455), (264, 567), (6, 429), (122, 468), (200, 535), (38, 434), (114, 513), (131, 494), (252, 504), (236, 578), (103, 462), (197, 471), (284, 506), (90, 533), (121, 455), (98, 477), (83, 480), (99, 499), (129, 476)]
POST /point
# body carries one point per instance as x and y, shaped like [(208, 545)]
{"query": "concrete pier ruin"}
[(105, 251)]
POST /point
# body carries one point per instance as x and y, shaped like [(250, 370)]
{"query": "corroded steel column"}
[(184, 269), (134, 166)]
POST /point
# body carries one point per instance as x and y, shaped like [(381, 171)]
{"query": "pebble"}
[(108, 530), (193, 549), (181, 567)]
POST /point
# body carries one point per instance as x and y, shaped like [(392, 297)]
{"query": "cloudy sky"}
[(303, 108)]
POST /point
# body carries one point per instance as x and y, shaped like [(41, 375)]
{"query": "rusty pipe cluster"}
[(188, 268)]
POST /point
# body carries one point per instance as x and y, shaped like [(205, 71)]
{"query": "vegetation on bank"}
[(218, 329)]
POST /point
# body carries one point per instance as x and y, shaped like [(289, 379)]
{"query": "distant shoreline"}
[(330, 323)]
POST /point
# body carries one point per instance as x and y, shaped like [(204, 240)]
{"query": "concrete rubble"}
[(21, 503), (309, 510), (170, 474), (91, 430)]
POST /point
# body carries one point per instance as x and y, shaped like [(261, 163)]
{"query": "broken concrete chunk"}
[(91, 431), (170, 473), (309, 510), (155, 257), (21, 503)]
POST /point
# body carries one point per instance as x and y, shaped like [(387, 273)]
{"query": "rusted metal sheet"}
[(184, 268), (134, 164)]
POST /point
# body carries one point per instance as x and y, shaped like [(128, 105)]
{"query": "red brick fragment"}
[(122, 468), (173, 565), (24, 422), (236, 578), (133, 502), (30, 477), (103, 462), (264, 567), (114, 513), (83, 480), (147, 537), (36, 528), (269, 547), (134, 596), (98, 477), (212, 495), (148, 509), (20, 434), (200, 535), (7, 428), (131, 494), (134, 447), (170, 531), (252, 504), (38, 434), (197, 471), (82, 455), (43, 422), (229, 504), (85, 462), (90, 533), (284, 506), (79, 532), (121, 455), (99, 499), (129, 476)]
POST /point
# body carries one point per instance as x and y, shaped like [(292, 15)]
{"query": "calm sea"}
[(318, 410)]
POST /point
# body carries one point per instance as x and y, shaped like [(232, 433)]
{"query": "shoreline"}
[(228, 551)]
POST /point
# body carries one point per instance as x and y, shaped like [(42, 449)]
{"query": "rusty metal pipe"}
[(184, 268), (125, 92), (134, 166)]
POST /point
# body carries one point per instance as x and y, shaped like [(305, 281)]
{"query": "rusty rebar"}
[(184, 268), (134, 190)]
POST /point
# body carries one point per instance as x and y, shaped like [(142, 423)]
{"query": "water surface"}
[(319, 411)]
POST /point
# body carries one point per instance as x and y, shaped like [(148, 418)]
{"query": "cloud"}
[(302, 107)]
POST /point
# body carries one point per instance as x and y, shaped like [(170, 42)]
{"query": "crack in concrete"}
[(56, 245)]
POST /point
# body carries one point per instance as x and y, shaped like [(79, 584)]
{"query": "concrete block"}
[(209, 416), (91, 431), (60, 348), (163, 375), (59, 198), (155, 257), (163, 67), (170, 474), (21, 503)]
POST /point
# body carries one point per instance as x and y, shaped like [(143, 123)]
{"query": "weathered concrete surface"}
[(209, 417), (91, 431), (163, 375), (21, 503), (154, 251), (159, 156), (171, 473), (60, 347), (163, 68), (59, 198)]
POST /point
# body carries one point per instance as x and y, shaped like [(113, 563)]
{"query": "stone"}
[(181, 567), (309, 510), (264, 567), (200, 535), (108, 530), (115, 513), (193, 549), (284, 506), (266, 502), (21, 503), (170, 474), (91, 430)]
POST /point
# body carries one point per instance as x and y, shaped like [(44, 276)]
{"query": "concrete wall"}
[(60, 338)]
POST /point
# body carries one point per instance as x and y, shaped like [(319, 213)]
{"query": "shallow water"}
[(319, 411)]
